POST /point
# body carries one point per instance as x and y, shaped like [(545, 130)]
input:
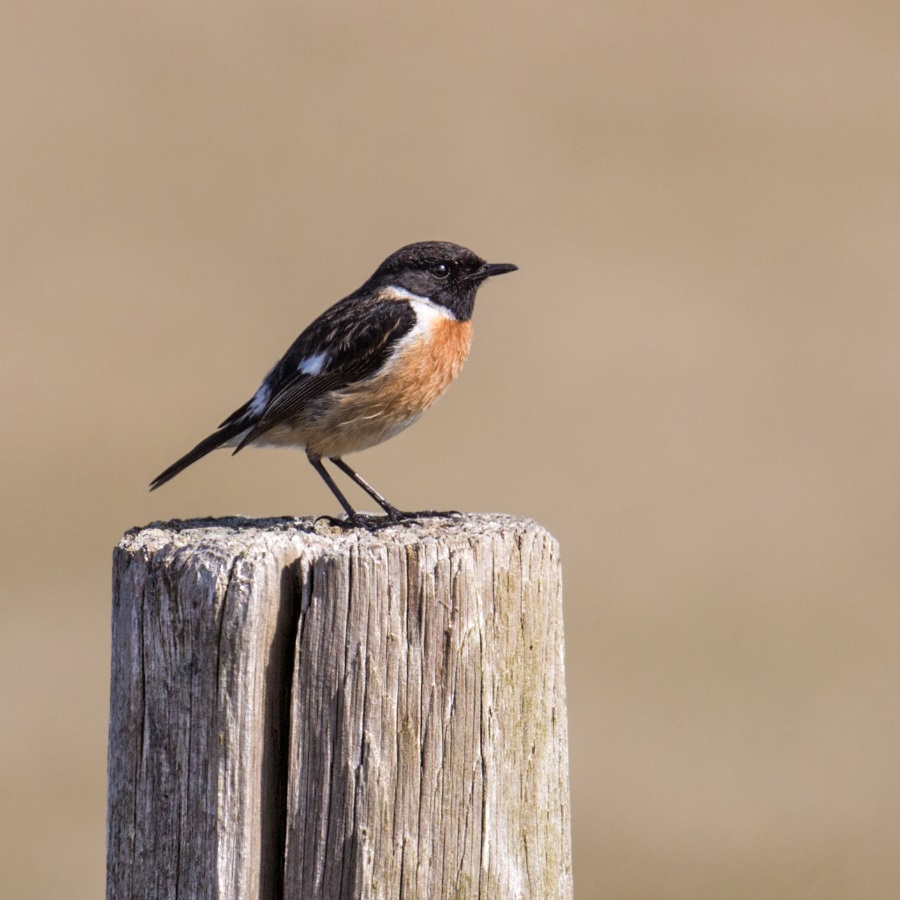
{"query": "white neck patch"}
[(393, 292)]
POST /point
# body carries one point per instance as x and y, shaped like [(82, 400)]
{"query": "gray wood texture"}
[(307, 713)]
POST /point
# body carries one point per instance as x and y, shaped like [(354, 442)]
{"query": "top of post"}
[(225, 534)]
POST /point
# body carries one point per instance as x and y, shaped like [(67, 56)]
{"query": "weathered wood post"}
[(305, 713)]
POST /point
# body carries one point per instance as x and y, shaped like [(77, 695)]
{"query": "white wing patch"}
[(260, 400), (312, 365)]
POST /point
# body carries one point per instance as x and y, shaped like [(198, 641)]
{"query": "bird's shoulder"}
[(353, 337)]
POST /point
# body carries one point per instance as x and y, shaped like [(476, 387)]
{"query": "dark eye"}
[(440, 270)]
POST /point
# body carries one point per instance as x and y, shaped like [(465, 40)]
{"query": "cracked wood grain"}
[(307, 713)]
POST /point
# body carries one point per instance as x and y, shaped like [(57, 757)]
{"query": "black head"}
[(445, 273)]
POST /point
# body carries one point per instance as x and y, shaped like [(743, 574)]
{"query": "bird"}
[(364, 370)]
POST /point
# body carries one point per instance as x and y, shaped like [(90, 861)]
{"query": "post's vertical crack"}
[(276, 734)]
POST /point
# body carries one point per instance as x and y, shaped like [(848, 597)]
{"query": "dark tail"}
[(207, 445)]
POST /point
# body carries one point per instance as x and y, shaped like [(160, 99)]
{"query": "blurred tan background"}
[(693, 381)]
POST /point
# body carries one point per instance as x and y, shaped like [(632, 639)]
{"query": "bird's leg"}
[(393, 514), (391, 510), (355, 519), (352, 515)]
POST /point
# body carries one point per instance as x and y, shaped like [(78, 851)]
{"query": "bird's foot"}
[(360, 520), (394, 517), (430, 514)]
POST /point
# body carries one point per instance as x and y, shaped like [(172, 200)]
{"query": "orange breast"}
[(424, 369), (367, 414)]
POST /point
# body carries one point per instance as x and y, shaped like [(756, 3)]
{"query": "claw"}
[(368, 523), (435, 514), (394, 517)]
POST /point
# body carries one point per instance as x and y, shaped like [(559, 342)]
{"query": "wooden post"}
[(301, 712)]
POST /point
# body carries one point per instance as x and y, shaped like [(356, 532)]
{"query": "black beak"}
[(488, 270)]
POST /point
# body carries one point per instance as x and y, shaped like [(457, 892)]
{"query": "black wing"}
[(353, 339)]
